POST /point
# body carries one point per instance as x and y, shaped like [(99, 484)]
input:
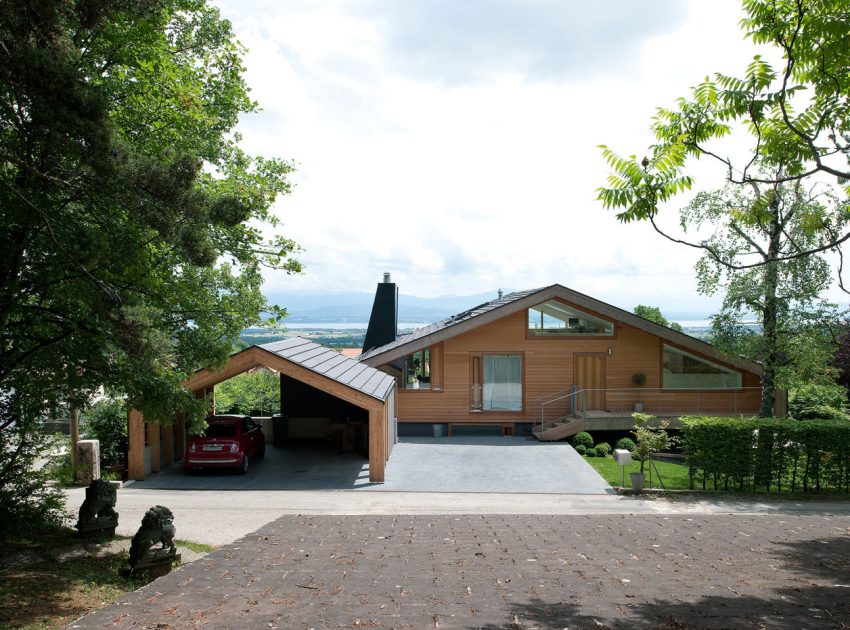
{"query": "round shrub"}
[(581, 449), (626, 443), (603, 449), (583, 438), (591, 452)]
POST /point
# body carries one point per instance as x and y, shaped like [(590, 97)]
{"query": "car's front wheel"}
[(244, 467)]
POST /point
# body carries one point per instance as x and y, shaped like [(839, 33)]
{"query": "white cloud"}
[(485, 179)]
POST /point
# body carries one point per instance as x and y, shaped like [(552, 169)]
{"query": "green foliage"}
[(639, 379), (106, 421), (762, 454), (584, 438), (768, 227), (591, 452), (60, 466), (653, 314), (252, 393), (602, 449), (813, 401), (795, 115), (29, 502), (762, 234), (581, 449), (625, 443), (650, 437), (134, 225)]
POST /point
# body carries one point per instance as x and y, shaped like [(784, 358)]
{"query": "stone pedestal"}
[(88, 461), (156, 563), (103, 526)]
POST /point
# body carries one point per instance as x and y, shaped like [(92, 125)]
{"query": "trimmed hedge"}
[(766, 454)]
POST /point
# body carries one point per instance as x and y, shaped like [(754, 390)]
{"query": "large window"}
[(554, 319), (683, 370), (502, 389)]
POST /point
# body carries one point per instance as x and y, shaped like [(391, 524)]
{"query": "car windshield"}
[(221, 430)]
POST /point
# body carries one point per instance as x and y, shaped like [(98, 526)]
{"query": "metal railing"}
[(656, 401)]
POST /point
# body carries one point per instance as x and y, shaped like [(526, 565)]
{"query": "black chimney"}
[(383, 323)]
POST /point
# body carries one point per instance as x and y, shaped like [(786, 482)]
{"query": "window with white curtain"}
[(502, 382)]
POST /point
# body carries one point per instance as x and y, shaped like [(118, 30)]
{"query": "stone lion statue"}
[(157, 527), (99, 504)]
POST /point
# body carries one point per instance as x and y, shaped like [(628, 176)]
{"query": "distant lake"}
[(695, 323), (341, 325)]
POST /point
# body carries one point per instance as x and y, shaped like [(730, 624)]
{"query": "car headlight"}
[(234, 448), (192, 447)]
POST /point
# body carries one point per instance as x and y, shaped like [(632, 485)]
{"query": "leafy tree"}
[(248, 393), (649, 437), (784, 291), (135, 226), (794, 117), (28, 501), (653, 314), (106, 421), (780, 207), (817, 401)]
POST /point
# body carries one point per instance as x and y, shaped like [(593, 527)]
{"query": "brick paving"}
[(518, 572)]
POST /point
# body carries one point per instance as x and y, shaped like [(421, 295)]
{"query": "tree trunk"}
[(769, 314)]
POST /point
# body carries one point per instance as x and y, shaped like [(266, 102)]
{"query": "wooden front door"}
[(590, 375)]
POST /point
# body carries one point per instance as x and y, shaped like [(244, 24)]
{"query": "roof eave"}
[(574, 297)]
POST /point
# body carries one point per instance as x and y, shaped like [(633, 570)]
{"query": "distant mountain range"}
[(356, 307)]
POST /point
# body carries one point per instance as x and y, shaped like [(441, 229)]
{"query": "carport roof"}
[(334, 365)]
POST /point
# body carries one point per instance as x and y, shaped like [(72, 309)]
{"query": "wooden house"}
[(554, 361)]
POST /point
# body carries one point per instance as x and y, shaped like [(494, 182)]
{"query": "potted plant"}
[(648, 440), (639, 380)]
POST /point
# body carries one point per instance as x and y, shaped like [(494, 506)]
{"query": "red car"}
[(228, 442)]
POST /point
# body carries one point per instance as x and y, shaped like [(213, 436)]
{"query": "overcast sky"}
[(454, 142)]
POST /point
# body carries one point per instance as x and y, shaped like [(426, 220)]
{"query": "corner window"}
[(554, 319), (683, 370)]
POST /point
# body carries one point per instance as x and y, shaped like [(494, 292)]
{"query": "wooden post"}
[(136, 445), (168, 454), (179, 436), (153, 442), (377, 443), (75, 435)]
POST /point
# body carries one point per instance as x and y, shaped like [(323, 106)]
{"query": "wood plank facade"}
[(603, 366)]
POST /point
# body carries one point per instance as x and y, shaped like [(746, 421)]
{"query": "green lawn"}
[(674, 476)]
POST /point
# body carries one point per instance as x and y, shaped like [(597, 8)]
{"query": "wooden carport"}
[(320, 367)]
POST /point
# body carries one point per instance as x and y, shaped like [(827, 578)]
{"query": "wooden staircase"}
[(558, 429)]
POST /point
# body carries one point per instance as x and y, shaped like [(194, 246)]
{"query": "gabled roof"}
[(443, 324), (521, 300), (303, 356), (334, 365)]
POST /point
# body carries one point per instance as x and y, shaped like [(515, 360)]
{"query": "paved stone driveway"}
[(448, 464), (519, 572)]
